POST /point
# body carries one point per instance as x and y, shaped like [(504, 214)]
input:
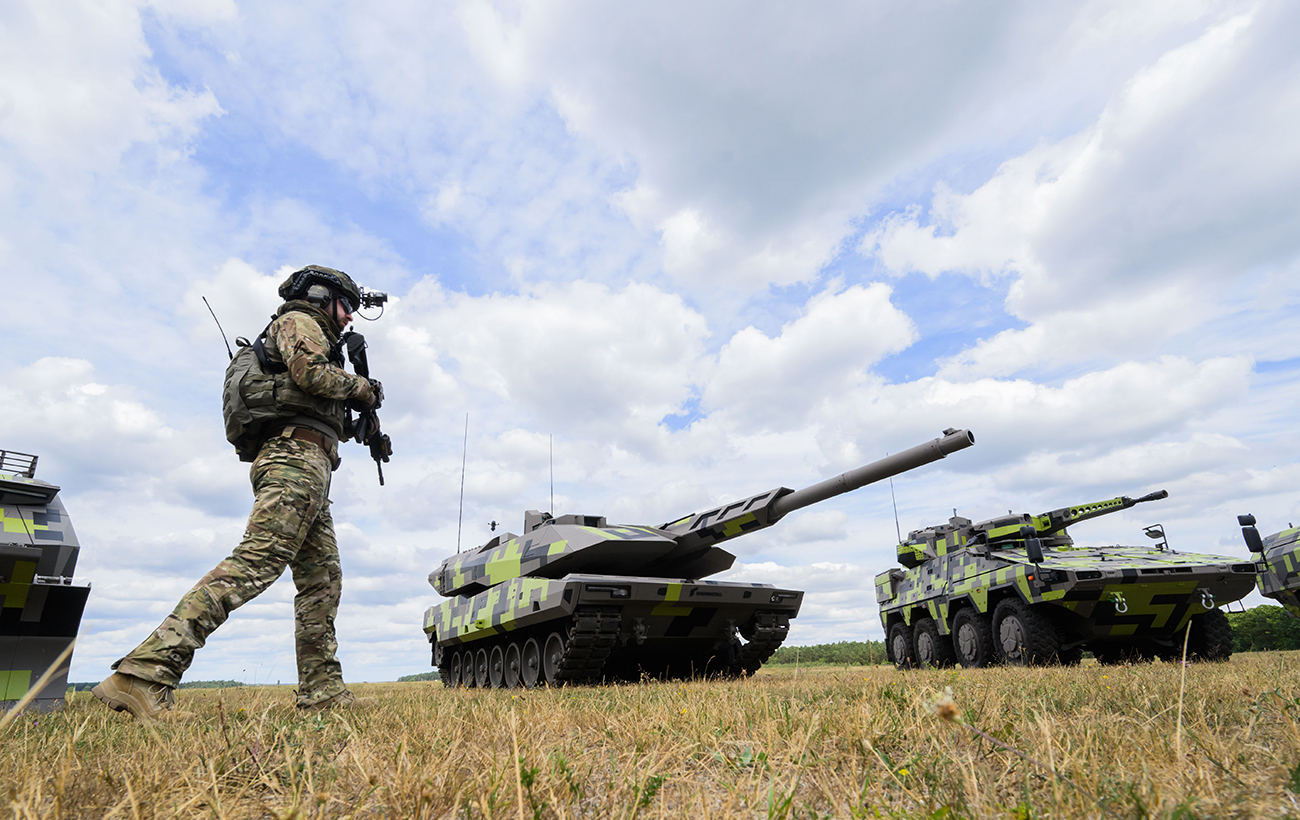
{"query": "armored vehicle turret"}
[(1278, 559), (575, 599), (41, 606), (1016, 589)]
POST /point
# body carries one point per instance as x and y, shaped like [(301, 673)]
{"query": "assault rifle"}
[(366, 427)]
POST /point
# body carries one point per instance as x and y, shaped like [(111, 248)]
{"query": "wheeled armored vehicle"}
[(576, 600), (1278, 556), (40, 606), (1016, 589)]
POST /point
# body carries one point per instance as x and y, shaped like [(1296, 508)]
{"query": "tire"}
[(972, 639), (900, 646), (1211, 638), (1023, 635), (933, 651), (513, 666), (496, 666), (530, 657), (552, 654)]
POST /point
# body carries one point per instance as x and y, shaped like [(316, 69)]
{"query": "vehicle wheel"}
[(530, 663), (900, 646), (972, 639), (933, 651), (1023, 635), (481, 669), (513, 666), (496, 666), (453, 678), (551, 657), (1211, 638)]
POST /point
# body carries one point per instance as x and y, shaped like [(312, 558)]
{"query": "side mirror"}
[(1033, 545), (1250, 534), (1156, 532)]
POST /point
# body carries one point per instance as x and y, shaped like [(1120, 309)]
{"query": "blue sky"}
[(708, 249)]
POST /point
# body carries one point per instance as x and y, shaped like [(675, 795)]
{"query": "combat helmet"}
[(318, 284)]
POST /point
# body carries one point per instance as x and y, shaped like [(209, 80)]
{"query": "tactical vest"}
[(259, 397)]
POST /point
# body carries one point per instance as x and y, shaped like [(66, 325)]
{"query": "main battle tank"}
[(1279, 562), (1016, 589), (41, 606), (576, 600)]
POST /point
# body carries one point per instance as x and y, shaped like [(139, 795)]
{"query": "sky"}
[(673, 254)]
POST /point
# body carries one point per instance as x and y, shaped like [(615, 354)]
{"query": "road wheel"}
[(453, 676), (552, 654), (933, 651), (1023, 635), (1211, 638), (513, 666), (900, 646), (972, 639), (530, 663), (481, 669), (496, 666)]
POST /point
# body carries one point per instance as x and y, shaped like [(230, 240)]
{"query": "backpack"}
[(248, 403)]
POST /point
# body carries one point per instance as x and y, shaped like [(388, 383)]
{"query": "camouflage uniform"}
[(290, 526)]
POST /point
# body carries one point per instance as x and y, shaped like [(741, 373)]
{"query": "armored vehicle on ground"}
[(576, 600), (1016, 589), (40, 607), (1278, 557)]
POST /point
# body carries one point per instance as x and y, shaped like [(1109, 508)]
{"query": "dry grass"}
[(868, 742)]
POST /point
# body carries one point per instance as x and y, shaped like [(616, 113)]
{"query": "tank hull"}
[(1118, 601), (610, 628), (1279, 576), (40, 606)]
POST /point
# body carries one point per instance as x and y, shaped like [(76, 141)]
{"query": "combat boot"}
[(144, 699), (344, 699)]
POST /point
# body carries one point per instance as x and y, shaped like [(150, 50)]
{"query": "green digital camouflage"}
[(1278, 559), (40, 605), (1016, 589), (576, 600), (290, 526)]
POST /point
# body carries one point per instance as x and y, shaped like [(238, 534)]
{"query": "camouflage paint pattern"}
[(1098, 592), (290, 526), (1279, 576), (40, 606)]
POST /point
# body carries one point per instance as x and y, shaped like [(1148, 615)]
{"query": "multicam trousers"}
[(290, 525)]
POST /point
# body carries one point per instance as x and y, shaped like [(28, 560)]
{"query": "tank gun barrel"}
[(1066, 516), (951, 441)]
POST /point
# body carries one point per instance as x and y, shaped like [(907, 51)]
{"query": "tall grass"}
[(1090, 741)]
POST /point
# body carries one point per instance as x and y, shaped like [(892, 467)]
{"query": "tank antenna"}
[(461, 513), (219, 327), (897, 529), (551, 438)]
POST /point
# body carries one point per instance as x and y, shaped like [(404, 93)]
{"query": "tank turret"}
[(576, 599), (1018, 589), (41, 605)]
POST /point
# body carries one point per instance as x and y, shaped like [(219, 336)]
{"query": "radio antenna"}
[(463, 452), (898, 530), (551, 438), (219, 327)]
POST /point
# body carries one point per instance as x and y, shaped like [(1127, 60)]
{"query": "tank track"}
[(770, 631), (593, 635)]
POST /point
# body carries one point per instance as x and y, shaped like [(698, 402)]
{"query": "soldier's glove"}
[(377, 388)]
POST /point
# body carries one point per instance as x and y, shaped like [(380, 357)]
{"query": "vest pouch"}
[(292, 400)]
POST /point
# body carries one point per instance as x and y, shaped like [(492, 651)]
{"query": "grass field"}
[(1090, 741)]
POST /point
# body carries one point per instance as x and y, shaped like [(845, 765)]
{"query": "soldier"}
[(290, 525)]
